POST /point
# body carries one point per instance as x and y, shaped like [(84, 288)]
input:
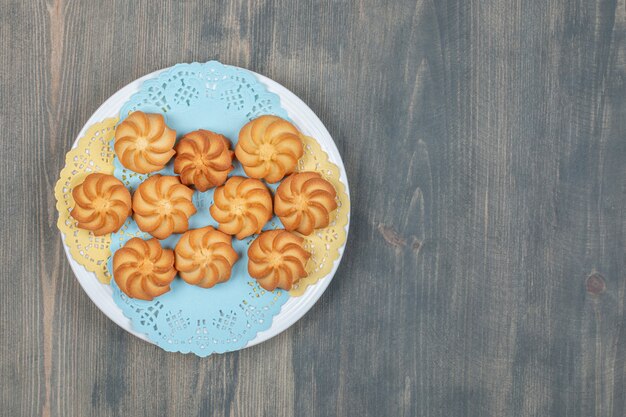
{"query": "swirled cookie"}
[(143, 143), (205, 257), (242, 206), (162, 206), (304, 201), (269, 148), (101, 204), (277, 259), (143, 269), (203, 159)]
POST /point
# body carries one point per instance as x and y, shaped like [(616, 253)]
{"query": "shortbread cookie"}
[(277, 259), (205, 257), (269, 148), (101, 204), (162, 206), (242, 206), (203, 159), (304, 201), (143, 143), (143, 269)]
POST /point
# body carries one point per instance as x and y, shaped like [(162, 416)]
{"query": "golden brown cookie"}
[(242, 206), (101, 204), (143, 269), (269, 148), (205, 257), (143, 143), (277, 259), (162, 206), (204, 159), (304, 201)]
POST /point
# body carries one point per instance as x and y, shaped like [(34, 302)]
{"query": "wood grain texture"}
[(485, 144)]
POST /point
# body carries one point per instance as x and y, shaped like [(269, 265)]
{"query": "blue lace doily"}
[(189, 318)]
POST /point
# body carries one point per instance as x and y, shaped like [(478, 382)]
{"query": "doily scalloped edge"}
[(330, 171), (64, 200)]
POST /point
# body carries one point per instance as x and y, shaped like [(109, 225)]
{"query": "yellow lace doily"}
[(92, 154), (324, 243)]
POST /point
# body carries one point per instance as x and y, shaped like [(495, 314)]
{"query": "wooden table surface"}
[(485, 145)]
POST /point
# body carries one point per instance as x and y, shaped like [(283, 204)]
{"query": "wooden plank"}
[(484, 143)]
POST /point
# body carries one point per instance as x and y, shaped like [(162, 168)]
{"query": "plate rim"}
[(312, 293)]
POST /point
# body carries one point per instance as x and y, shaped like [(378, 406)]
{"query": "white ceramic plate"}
[(295, 307)]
